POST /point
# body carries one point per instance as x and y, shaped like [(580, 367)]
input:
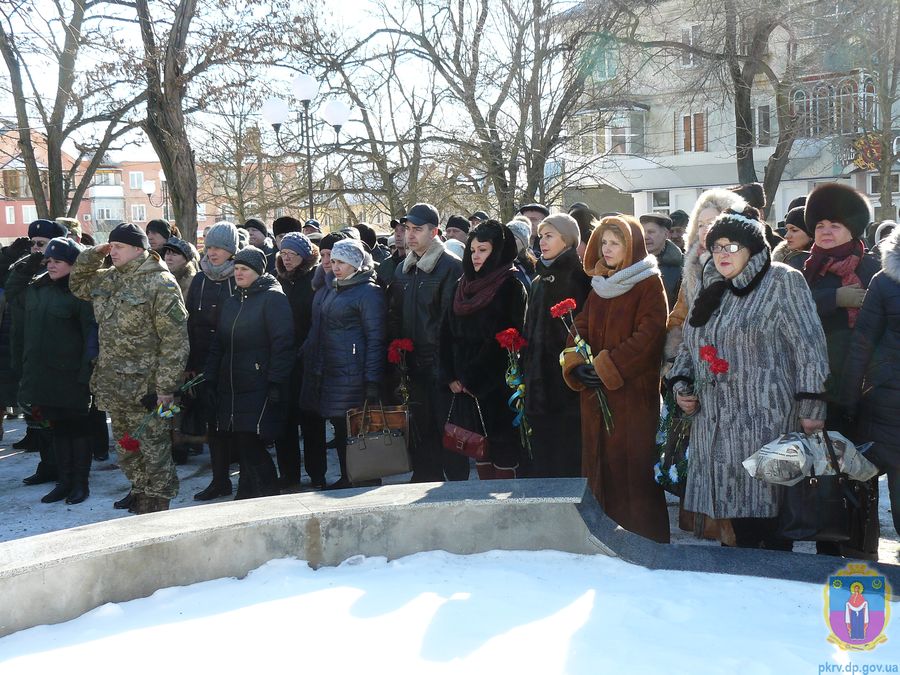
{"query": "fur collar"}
[(890, 255), (428, 261), (693, 268), (300, 270)]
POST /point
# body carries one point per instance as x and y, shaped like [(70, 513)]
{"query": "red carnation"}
[(129, 444), (510, 339), (397, 347), (718, 366), (709, 353), (560, 309)]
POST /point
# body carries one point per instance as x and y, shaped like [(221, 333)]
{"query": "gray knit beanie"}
[(522, 233), (350, 251), (222, 235), (566, 225), (253, 258)]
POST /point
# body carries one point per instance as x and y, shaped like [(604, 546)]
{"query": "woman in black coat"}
[(296, 264), (838, 272), (209, 290), (346, 345), (872, 371), (488, 299), (551, 407), (59, 344), (248, 368)]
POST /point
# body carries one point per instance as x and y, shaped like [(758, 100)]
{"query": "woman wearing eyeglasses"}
[(765, 378)]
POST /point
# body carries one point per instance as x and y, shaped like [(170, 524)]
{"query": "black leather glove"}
[(588, 376), (275, 394), (19, 247), (148, 401), (33, 263), (373, 393)]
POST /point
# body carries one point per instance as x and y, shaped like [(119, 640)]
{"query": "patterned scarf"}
[(842, 261)]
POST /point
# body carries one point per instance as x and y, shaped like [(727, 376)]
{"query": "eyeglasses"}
[(39, 245), (727, 248)]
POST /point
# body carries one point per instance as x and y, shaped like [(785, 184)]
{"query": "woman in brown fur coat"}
[(624, 322)]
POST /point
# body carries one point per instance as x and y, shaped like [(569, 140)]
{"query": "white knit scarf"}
[(624, 280)]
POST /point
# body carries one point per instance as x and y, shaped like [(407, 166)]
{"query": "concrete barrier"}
[(58, 576)]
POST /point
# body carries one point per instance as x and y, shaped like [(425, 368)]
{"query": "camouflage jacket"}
[(142, 326)]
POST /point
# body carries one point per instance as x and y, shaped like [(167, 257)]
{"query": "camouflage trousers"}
[(150, 469)]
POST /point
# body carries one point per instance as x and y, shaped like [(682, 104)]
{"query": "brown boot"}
[(485, 470), (160, 504), (143, 504), (504, 473)]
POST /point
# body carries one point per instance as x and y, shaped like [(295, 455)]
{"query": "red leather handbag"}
[(463, 441)]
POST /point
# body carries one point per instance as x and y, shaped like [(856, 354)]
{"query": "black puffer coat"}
[(297, 286), (871, 382), (204, 302), (252, 354), (345, 348), (546, 391)]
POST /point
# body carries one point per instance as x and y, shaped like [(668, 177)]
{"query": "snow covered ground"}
[(498, 612)]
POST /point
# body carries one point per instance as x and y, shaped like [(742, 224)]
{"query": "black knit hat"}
[(752, 193), (838, 203), (286, 224), (367, 235), (49, 229), (63, 248), (458, 222), (161, 227), (741, 227), (131, 234), (256, 224), (797, 201), (796, 217), (330, 239), (253, 258)]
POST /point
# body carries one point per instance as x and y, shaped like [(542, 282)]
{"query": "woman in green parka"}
[(59, 343)]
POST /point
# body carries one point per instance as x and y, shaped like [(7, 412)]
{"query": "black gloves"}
[(19, 247), (588, 376), (373, 393)]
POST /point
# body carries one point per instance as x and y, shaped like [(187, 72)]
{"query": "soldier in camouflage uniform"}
[(143, 350)]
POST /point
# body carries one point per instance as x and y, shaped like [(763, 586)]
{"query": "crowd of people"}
[(270, 335)]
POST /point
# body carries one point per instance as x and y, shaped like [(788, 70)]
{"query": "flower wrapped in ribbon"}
[(165, 411), (397, 351), (564, 312), (513, 342)]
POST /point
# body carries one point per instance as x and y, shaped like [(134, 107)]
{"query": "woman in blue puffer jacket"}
[(345, 351)]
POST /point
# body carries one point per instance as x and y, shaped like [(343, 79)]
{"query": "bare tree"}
[(85, 106)]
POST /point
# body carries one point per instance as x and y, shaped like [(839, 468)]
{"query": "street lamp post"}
[(276, 112), (149, 187)]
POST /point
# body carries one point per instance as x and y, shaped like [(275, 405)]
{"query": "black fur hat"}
[(839, 203), (752, 193), (741, 227)]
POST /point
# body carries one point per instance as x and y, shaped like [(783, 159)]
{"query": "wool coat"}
[(345, 349), (626, 337), (251, 356), (204, 301), (767, 329), (871, 382)]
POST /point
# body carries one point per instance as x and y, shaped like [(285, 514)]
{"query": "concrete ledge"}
[(58, 576)]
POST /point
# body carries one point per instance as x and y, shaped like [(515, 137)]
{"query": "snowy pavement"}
[(22, 514), (499, 612)]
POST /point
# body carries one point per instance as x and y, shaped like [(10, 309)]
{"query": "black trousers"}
[(555, 446), (428, 409)]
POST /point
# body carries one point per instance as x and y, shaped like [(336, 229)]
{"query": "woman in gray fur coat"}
[(765, 378)]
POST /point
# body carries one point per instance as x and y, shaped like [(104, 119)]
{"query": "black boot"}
[(127, 502), (99, 435), (81, 469), (46, 469), (62, 449), (26, 442), (265, 478), (219, 457)]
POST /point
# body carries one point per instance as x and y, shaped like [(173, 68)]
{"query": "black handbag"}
[(821, 508)]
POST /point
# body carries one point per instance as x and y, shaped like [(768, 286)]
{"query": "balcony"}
[(106, 192)]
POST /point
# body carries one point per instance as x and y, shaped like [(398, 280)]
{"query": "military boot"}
[(62, 448), (143, 504), (127, 502), (160, 504)]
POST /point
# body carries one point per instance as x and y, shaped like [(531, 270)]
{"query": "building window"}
[(587, 136), (29, 213), (104, 213), (660, 201), (107, 178), (135, 180), (690, 35), (201, 211), (693, 129), (138, 213), (10, 215), (875, 183), (761, 129)]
